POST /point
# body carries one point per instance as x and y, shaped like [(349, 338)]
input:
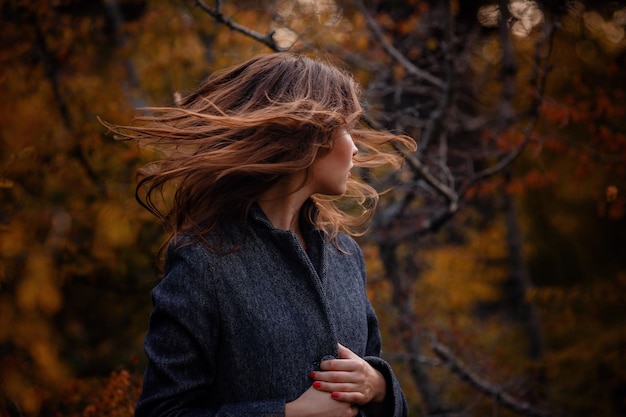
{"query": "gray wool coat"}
[(238, 334)]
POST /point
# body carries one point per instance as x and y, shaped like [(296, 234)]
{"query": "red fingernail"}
[(317, 384), (335, 395), (312, 375)]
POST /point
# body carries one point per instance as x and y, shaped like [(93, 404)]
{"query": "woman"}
[(262, 310)]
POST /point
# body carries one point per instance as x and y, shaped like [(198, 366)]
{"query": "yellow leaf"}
[(46, 356), (37, 288), (6, 183), (12, 240), (114, 227)]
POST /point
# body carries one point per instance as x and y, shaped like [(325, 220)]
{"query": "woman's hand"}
[(350, 379), (316, 403)]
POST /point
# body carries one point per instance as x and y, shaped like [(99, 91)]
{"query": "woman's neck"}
[(282, 206)]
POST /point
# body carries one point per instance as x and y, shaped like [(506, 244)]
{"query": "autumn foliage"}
[(517, 271)]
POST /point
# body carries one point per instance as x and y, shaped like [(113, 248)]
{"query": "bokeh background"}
[(496, 260)]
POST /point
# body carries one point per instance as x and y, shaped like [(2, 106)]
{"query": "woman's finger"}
[(345, 353), (355, 398), (335, 386)]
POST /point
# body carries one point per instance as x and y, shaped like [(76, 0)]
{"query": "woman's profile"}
[(262, 309)]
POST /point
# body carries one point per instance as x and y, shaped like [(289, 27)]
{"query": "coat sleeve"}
[(181, 345), (395, 404)]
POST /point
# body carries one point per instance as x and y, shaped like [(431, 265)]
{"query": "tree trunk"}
[(406, 326), (519, 281)]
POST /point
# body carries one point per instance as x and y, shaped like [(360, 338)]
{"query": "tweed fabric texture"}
[(237, 334)]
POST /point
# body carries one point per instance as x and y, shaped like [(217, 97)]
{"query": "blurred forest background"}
[(497, 263)]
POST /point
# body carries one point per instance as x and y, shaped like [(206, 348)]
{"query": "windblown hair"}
[(248, 127)]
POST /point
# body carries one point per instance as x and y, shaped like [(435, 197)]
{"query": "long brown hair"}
[(248, 127)]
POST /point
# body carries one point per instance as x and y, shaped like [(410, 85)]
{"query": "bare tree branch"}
[(132, 85), (494, 391), (52, 73), (393, 52), (452, 196), (422, 170), (540, 81), (411, 339), (416, 358), (216, 13), (401, 282)]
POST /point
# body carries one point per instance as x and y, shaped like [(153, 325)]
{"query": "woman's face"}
[(330, 173)]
